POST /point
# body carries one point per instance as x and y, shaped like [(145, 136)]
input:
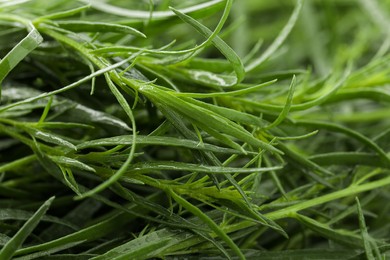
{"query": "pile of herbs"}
[(194, 129)]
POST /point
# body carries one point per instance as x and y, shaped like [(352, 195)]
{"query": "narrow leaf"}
[(143, 140), (141, 248), (181, 166), (70, 162), (287, 107), (85, 26), (365, 236), (17, 240), (52, 138), (18, 214), (213, 226), (228, 52), (343, 237), (213, 6), (63, 14), (18, 53)]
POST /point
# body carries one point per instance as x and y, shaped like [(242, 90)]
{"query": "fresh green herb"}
[(194, 129)]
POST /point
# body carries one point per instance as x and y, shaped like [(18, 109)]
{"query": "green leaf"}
[(232, 114), (180, 166), (205, 117), (244, 91), (13, 3), (18, 53), (90, 233), (178, 139), (287, 107), (85, 26), (17, 240), (213, 226), (70, 162), (367, 241), (96, 116), (63, 14), (343, 237), (231, 56), (42, 254), (144, 247), (18, 214), (209, 6), (52, 138), (143, 140)]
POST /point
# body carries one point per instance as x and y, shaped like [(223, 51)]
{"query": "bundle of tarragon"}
[(169, 129)]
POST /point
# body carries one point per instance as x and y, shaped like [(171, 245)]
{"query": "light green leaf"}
[(12, 3), (63, 14), (52, 138), (210, 6), (18, 53), (85, 26), (70, 162)]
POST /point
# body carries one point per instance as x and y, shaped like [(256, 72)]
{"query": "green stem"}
[(291, 210)]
